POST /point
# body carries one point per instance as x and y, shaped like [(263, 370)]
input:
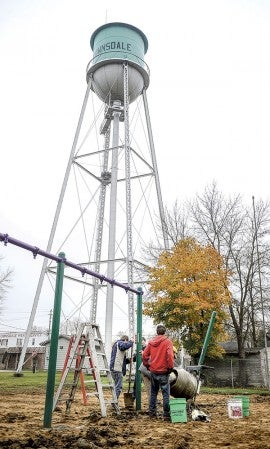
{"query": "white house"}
[(62, 351), (16, 339), (63, 343), (11, 344)]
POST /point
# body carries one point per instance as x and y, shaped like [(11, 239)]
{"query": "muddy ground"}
[(21, 426)]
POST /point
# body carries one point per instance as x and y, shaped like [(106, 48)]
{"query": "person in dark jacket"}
[(158, 357), (119, 361)]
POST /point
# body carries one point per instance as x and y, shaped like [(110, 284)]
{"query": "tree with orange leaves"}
[(188, 283)]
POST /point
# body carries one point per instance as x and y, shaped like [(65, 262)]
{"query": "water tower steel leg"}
[(154, 162), (128, 206), (100, 224), (112, 230), (53, 229)]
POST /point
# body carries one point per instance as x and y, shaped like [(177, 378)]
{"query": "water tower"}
[(120, 208), (117, 46)]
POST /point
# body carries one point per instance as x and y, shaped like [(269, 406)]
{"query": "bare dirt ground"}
[(21, 426)]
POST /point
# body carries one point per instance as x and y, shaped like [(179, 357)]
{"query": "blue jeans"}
[(160, 381), (118, 382)]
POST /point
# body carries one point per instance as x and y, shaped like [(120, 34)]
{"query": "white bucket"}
[(235, 410)]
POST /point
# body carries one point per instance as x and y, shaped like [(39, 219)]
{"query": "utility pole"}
[(50, 322), (261, 295)]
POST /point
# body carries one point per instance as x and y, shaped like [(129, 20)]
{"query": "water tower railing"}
[(120, 57)]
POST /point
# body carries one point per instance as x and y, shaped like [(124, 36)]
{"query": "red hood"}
[(157, 340)]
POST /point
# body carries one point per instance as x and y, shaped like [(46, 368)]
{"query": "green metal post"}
[(207, 338), (138, 392), (54, 343)]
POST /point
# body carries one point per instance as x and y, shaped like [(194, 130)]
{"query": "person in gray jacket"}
[(119, 361), (146, 377)]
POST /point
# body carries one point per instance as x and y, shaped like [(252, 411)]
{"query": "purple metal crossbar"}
[(37, 251)]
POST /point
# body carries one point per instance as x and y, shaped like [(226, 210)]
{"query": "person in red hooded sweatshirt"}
[(158, 357)]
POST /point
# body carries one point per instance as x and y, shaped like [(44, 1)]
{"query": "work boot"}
[(167, 418)]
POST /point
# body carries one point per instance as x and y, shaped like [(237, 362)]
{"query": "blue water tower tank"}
[(113, 45)]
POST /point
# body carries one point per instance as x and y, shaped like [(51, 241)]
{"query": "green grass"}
[(238, 390), (36, 382), (28, 382)]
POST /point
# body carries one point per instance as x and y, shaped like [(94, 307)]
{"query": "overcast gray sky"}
[(209, 100)]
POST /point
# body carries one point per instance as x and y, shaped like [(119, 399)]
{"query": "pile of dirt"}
[(21, 426)]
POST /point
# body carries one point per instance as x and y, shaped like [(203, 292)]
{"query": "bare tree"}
[(70, 326), (177, 228), (229, 227), (5, 283), (177, 223)]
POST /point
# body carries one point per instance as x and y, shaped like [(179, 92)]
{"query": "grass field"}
[(37, 382)]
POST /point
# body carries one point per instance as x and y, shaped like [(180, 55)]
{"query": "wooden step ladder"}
[(86, 352)]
